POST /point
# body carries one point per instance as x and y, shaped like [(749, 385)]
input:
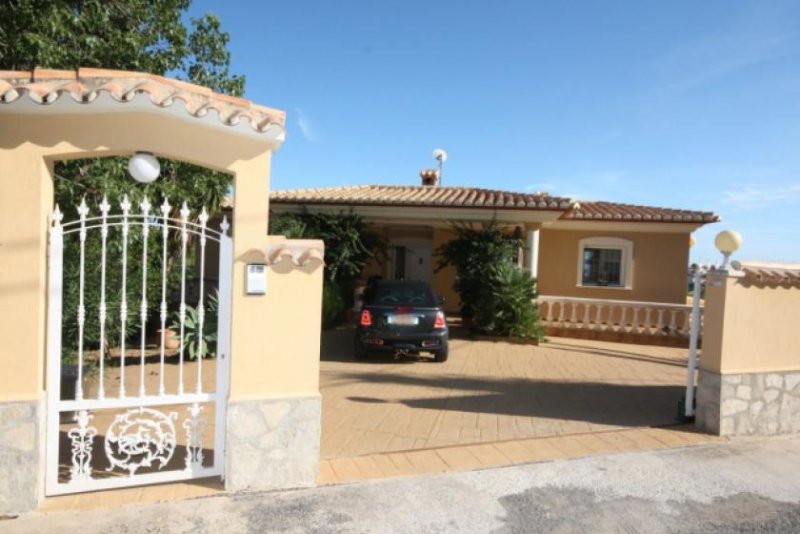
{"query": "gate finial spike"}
[(203, 217), (83, 209), (104, 205), (165, 207), (57, 216), (145, 205), (184, 211), (126, 204), (224, 225)]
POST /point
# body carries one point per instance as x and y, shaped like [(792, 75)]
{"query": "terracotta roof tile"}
[(466, 197), (45, 86), (771, 273), (420, 196), (612, 211)]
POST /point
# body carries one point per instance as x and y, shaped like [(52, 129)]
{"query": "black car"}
[(401, 318)]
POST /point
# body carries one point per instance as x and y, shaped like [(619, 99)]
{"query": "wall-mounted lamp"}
[(144, 167)]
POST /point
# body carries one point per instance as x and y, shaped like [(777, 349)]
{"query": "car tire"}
[(441, 354), (359, 351)]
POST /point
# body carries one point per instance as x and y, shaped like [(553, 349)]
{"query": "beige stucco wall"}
[(750, 328), (29, 144), (660, 261)]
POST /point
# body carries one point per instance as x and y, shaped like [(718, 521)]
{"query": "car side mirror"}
[(440, 299)]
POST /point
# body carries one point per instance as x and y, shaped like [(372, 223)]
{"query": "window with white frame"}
[(605, 262)]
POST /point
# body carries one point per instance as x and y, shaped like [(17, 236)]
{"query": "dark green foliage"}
[(494, 292), (333, 304), (348, 243), (192, 333), (348, 247), (147, 36)]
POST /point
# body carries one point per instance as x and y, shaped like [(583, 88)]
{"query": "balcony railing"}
[(618, 316)]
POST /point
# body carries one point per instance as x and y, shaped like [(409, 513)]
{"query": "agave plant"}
[(193, 337)]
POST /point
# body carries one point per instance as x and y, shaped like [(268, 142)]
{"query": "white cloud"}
[(306, 125), (761, 196)]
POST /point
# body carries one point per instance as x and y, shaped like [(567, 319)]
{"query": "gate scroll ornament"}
[(140, 438)]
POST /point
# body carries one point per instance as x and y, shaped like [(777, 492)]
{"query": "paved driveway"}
[(490, 391)]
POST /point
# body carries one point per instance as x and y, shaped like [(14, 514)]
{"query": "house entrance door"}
[(412, 260)]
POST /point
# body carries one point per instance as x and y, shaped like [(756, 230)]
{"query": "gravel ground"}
[(737, 486)]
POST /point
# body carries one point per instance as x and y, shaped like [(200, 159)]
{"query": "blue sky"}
[(675, 104)]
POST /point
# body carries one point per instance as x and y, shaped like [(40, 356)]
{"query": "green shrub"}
[(333, 304), (192, 334), (507, 304), (494, 292)]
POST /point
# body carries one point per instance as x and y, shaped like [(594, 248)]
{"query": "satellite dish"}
[(440, 155)]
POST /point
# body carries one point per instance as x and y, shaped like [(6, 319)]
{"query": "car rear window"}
[(399, 295)]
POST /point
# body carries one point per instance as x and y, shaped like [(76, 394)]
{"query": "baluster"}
[(686, 320), (635, 324), (83, 211), (164, 234), (561, 307), (585, 315), (598, 322), (648, 325), (660, 323), (200, 309), (672, 323), (123, 305), (104, 207), (182, 309), (145, 206), (574, 317)]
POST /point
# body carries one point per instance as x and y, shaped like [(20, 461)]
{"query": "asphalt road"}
[(739, 486)]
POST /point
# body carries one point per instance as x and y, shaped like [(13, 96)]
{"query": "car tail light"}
[(403, 309), (439, 321), (366, 318)]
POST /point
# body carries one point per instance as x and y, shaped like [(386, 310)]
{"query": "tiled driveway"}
[(490, 391)]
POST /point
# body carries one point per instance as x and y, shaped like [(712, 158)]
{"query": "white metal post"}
[(223, 342), (695, 333)]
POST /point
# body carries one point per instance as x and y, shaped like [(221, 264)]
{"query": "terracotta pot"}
[(171, 338)]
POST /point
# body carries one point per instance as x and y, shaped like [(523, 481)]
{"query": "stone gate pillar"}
[(749, 380)]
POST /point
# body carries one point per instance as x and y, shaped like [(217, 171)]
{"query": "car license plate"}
[(403, 320)]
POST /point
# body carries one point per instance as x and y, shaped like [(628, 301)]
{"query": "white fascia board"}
[(627, 226), (433, 216)]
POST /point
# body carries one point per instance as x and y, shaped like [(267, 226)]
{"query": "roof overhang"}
[(437, 216), (628, 226)]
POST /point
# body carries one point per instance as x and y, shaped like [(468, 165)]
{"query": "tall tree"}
[(138, 35)]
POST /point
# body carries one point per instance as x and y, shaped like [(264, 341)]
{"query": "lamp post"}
[(441, 156), (144, 167), (727, 242)]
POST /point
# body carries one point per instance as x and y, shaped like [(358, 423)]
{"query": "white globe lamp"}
[(144, 167), (727, 242)]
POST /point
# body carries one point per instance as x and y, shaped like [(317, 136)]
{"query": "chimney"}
[(430, 177)]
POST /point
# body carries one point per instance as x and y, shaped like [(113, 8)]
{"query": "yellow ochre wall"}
[(29, 143), (750, 328), (660, 263)]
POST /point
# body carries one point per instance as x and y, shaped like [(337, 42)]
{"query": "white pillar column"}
[(532, 252)]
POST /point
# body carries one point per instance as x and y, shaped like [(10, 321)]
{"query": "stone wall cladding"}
[(752, 404), (19, 456), (273, 443)]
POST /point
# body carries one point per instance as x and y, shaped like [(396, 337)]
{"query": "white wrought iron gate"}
[(142, 407)]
